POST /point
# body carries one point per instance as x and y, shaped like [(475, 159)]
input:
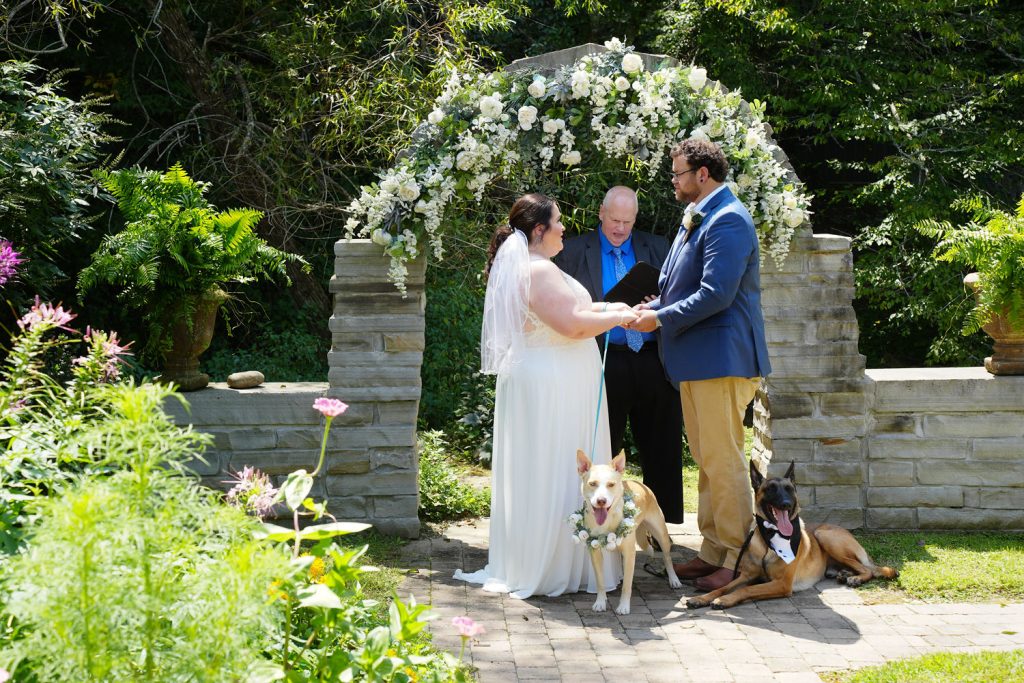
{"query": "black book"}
[(639, 283)]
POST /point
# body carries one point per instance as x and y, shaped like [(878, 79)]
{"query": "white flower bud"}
[(436, 116)]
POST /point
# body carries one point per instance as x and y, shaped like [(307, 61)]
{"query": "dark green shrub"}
[(442, 495)]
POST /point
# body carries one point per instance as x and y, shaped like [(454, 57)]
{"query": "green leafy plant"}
[(992, 243), (175, 248), (443, 496)]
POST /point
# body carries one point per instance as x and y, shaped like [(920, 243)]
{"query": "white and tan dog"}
[(604, 496)]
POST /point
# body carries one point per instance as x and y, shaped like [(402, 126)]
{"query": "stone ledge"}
[(934, 390), (271, 403)]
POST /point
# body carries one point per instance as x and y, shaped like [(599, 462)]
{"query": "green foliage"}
[(143, 574), (442, 495), (992, 244), (962, 667), (175, 248), (889, 109), (48, 145)]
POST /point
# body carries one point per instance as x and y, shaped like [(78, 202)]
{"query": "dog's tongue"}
[(600, 515), (782, 520)]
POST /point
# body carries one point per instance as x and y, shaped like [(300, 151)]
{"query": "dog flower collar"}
[(611, 539)]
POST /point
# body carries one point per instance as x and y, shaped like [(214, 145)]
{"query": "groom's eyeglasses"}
[(676, 174)]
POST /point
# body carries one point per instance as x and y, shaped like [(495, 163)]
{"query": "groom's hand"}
[(648, 320)]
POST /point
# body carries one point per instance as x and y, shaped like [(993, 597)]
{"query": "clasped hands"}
[(643, 318)]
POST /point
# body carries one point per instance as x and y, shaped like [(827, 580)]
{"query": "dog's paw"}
[(718, 604), (623, 607), (854, 581), (674, 582), (696, 603), (600, 605)]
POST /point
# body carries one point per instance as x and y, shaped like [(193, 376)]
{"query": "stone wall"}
[(375, 358)]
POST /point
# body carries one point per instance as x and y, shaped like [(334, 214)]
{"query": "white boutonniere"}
[(692, 220)]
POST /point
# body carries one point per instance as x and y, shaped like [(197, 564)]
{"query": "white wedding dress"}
[(544, 410)]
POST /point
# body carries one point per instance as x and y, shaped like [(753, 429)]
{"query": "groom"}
[(712, 343)]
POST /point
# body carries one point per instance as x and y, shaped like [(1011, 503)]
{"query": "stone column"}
[(815, 407), (376, 353)]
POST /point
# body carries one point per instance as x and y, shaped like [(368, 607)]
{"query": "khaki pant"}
[(713, 415)]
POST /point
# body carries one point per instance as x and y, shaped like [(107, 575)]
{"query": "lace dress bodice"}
[(538, 333)]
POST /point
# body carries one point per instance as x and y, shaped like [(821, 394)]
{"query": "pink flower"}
[(5, 675), (107, 347), (46, 314), (330, 407), (467, 628), (9, 262), (253, 492)]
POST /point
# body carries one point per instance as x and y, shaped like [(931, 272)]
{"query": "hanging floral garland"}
[(511, 124)]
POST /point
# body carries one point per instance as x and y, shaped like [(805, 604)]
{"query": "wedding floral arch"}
[(517, 124)]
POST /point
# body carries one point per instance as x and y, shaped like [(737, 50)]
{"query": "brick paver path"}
[(786, 640)]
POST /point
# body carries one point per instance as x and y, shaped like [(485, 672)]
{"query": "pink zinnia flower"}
[(330, 407), (9, 262), (46, 314), (467, 628)]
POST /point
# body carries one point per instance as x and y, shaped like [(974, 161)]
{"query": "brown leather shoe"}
[(694, 569), (715, 580)]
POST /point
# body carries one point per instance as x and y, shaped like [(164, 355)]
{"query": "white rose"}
[(622, 83), (580, 84), (632, 63), (389, 185), (610, 545), (571, 158), (717, 128), (794, 218), (595, 544), (381, 237), (687, 220), (421, 207), (491, 106), (789, 200), (537, 88), (436, 116), (744, 180), (409, 191), (583, 535), (552, 126), (527, 117), (612, 537), (753, 139), (699, 134), (698, 77)]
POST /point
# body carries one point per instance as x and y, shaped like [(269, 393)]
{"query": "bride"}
[(537, 336)]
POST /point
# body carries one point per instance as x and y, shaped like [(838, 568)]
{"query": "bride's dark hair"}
[(528, 211)]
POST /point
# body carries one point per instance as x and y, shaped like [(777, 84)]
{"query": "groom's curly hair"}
[(703, 153), (528, 211)]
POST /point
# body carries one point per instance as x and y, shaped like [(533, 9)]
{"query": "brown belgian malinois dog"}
[(783, 555)]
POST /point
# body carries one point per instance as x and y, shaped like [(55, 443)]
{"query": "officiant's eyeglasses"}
[(676, 174)]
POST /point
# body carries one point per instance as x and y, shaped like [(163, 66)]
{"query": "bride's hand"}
[(617, 306), (627, 317)]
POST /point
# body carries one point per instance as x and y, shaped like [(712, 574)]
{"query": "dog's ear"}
[(582, 462), (790, 472), (619, 462), (756, 478)]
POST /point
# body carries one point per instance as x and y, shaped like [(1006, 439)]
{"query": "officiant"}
[(637, 388)]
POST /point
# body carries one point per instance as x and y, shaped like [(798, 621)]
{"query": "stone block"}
[(973, 424), (825, 243), (808, 314), (916, 448), (830, 262), (362, 393), (349, 508), (399, 458), (359, 375), (377, 436), (252, 439), (817, 427), (813, 349), (915, 496), (938, 390), (806, 296), (347, 462), (397, 412), (846, 403), (825, 366), (837, 496), (357, 341), (275, 462), (375, 359), (790, 450), (830, 473), (833, 330), (893, 423), (796, 385), (881, 473), (273, 403), (395, 506), (784, 332), (401, 482), (782, 406), (997, 449), (368, 324), (404, 527), (846, 517), (795, 262), (1001, 498), (206, 464), (941, 472), (845, 450), (892, 518), (408, 341), (945, 518), (356, 303), (309, 438)]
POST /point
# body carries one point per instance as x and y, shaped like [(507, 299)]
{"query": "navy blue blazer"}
[(710, 302)]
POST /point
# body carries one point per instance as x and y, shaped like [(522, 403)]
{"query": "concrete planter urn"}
[(189, 339), (1008, 349)]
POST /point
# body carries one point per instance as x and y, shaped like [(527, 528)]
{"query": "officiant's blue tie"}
[(634, 340)]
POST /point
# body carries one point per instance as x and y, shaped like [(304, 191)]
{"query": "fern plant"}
[(993, 245), (176, 248)]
